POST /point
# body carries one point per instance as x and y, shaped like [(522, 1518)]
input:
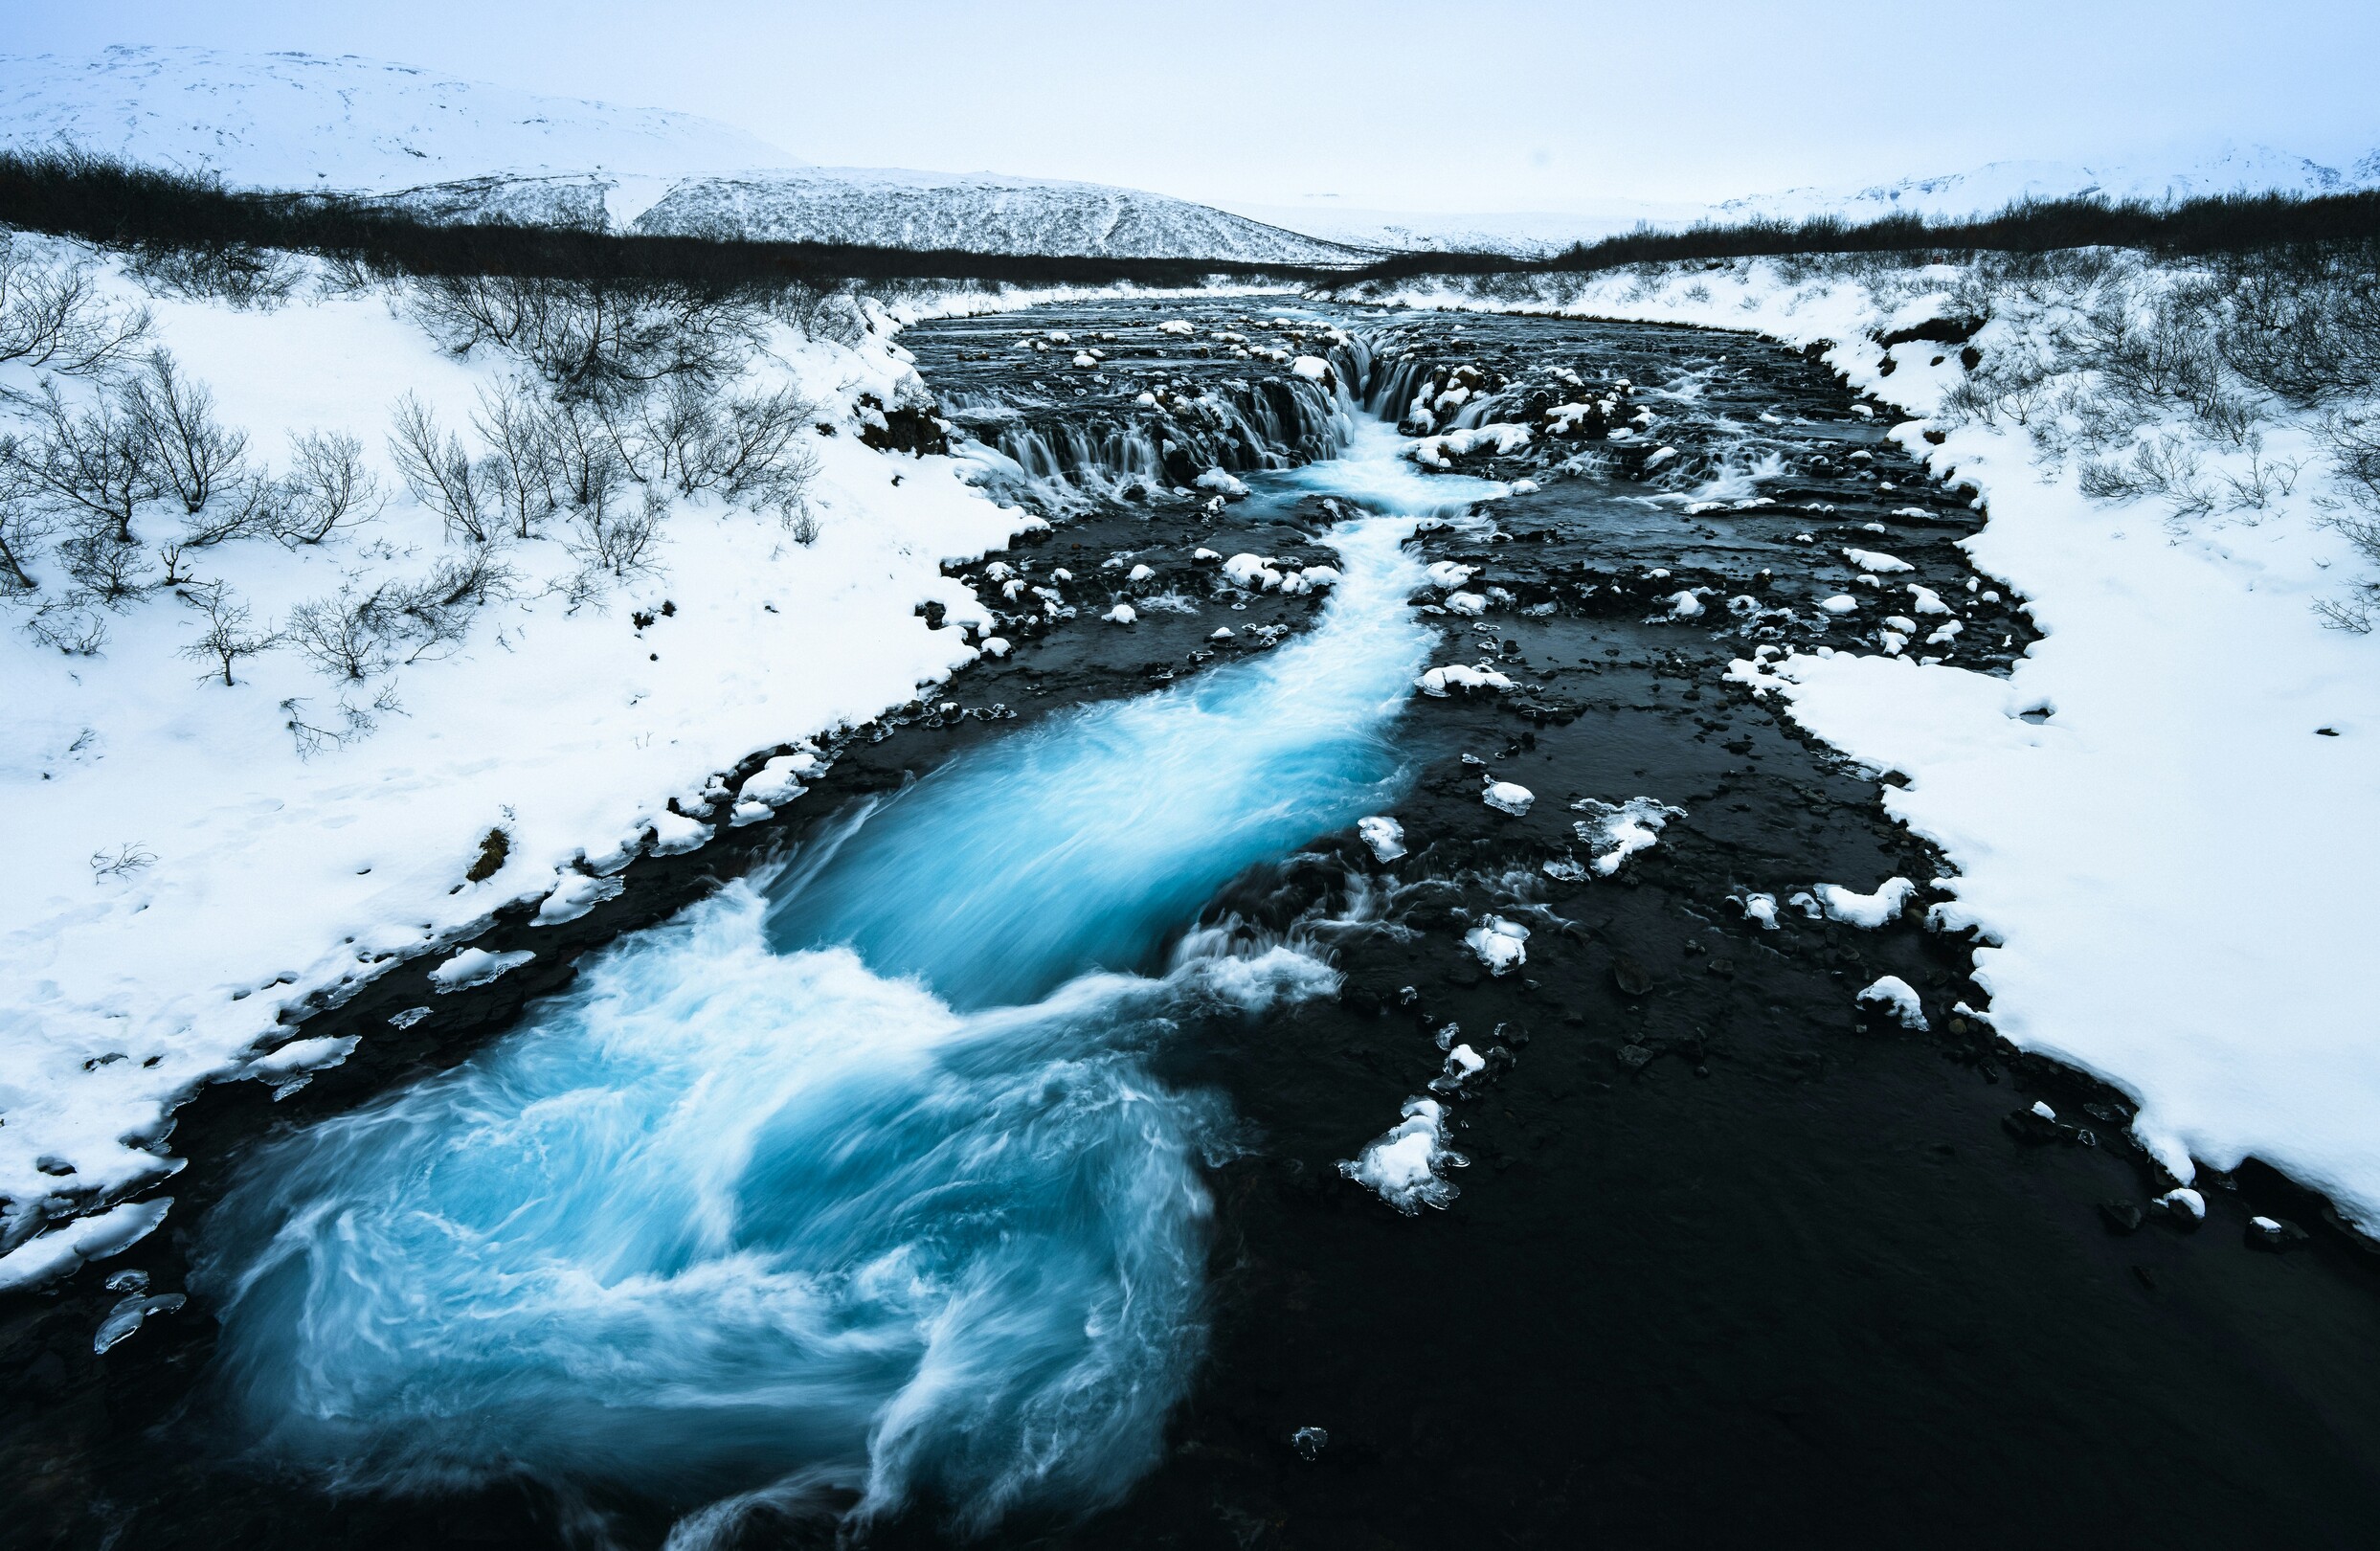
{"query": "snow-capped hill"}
[(1997, 184), (979, 211), (1531, 234), (297, 121)]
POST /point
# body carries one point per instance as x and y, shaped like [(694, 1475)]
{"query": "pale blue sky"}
[(1461, 105)]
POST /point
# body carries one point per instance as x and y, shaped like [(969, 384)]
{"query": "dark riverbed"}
[(1730, 1262)]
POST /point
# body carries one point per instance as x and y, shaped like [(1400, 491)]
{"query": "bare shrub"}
[(342, 636), (616, 538), (750, 453), (70, 624), (240, 275), (512, 423), (24, 523), (439, 472), (594, 336), (327, 490), (193, 452), (96, 461), (347, 723), (225, 636), (53, 317)]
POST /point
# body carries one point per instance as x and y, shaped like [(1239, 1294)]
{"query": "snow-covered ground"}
[(181, 868), (2163, 821)]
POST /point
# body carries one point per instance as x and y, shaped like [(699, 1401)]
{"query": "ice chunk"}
[(316, 1054), (126, 1318), (1618, 831), (477, 966), (1469, 604), (1384, 835), (1500, 944), (1446, 574), (1508, 797), (1684, 605), (1404, 1165), (1894, 996), (1761, 907), (1140, 573)]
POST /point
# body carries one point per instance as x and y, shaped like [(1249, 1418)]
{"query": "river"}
[(1072, 1127)]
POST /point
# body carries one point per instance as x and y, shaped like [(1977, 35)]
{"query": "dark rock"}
[(1634, 1057), (2120, 1216), (1631, 977), (2276, 1235)]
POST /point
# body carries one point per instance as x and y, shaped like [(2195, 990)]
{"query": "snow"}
[(1877, 561), (1896, 997), (276, 877), (1383, 835), (1839, 604), (1122, 614), (1252, 571), (1508, 797), (1761, 908), (1404, 1165), (1458, 676), (2216, 984), (1865, 910)]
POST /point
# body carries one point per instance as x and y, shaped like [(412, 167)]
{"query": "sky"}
[(1464, 105)]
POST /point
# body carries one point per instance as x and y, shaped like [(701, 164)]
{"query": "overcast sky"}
[(1462, 105)]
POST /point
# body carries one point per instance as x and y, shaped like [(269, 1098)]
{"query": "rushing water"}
[(857, 1175)]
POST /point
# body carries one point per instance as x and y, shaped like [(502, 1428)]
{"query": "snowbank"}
[(2170, 868)]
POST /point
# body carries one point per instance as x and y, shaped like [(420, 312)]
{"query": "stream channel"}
[(1069, 1126)]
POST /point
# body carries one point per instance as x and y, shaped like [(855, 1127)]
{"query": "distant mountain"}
[(295, 120), (454, 150), (891, 208), (1996, 185), (1533, 234)]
